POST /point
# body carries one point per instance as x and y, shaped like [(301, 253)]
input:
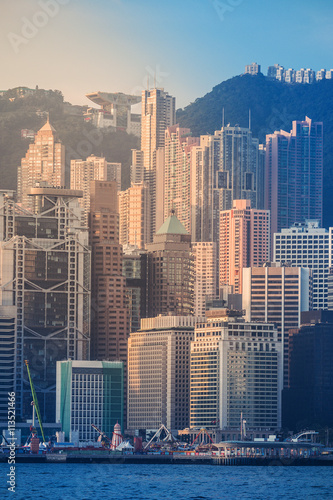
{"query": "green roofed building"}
[(170, 271), (89, 392)]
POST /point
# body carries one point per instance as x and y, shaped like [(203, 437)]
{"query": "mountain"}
[(274, 105), (29, 111)]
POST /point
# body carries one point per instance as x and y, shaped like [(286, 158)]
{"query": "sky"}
[(189, 46)]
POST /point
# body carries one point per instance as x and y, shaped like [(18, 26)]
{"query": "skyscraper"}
[(244, 241), (158, 113), (278, 295), (159, 373), (205, 275), (236, 367), (94, 168), (306, 244), (109, 311), (294, 174), (170, 271), (45, 285), (177, 173), (43, 162), (134, 215)]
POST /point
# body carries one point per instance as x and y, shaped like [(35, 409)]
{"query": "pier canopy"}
[(268, 449)]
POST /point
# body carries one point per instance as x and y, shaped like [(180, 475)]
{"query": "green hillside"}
[(274, 105), (80, 138)]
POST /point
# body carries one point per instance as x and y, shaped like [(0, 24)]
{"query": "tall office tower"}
[(177, 173), (109, 312), (134, 215), (89, 392), (277, 295), (204, 275), (202, 191), (170, 271), (239, 177), (308, 245), (294, 174), (115, 111), (227, 166), (244, 241), (236, 368), (135, 272), (158, 113), (43, 162), (45, 285), (159, 373), (94, 168), (309, 397)]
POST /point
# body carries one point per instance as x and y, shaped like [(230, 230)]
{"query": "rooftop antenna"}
[(223, 117), (147, 82), (249, 118), (155, 79)]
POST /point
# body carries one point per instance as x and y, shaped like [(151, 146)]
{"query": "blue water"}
[(160, 482)]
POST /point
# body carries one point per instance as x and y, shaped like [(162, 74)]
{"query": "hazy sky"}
[(81, 46)]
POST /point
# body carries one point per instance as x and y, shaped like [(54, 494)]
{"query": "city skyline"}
[(55, 30)]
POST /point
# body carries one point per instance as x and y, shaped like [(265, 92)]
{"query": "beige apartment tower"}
[(43, 163), (134, 215), (205, 274), (158, 113)]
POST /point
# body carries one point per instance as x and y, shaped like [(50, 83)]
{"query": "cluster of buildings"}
[(290, 75), (189, 299)]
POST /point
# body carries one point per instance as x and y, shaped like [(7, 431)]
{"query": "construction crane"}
[(104, 437), (35, 402)]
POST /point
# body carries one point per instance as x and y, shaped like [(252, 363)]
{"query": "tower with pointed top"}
[(44, 163), (170, 271)]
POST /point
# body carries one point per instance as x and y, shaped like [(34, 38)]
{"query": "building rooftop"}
[(172, 225)]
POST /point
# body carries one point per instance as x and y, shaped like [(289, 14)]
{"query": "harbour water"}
[(166, 482)]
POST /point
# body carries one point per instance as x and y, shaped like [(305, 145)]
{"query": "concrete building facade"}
[(159, 373), (236, 369), (45, 285), (276, 294), (308, 245)]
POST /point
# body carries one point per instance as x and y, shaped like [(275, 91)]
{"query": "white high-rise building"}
[(94, 168), (236, 368), (158, 113), (307, 245)]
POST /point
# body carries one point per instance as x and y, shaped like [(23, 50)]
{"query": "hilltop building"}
[(115, 111)]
